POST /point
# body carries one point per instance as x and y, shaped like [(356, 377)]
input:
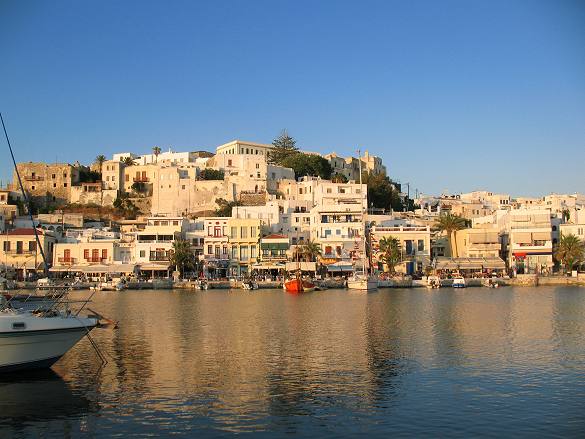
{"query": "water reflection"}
[(327, 364), (39, 398)]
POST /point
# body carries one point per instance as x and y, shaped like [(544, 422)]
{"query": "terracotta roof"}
[(275, 236), (24, 232)]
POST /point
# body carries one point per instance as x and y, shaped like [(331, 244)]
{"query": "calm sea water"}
[(506, 362)]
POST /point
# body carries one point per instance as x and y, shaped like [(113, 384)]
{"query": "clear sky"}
[(457, 95)]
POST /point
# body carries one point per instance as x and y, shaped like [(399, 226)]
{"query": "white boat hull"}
[(362, 284), (38, 348)]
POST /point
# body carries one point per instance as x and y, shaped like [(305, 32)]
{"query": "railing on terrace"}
[(21, 252), (96, 259)]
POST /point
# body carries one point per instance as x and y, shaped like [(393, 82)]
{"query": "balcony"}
[(20, 252), (33, 178), (140, 179), (158, 258), (96, 260), (66, 260)]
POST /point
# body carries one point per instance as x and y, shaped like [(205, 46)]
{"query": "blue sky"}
[(457, 95)]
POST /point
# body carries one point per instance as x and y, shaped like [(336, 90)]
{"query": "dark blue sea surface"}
[(444, 363)]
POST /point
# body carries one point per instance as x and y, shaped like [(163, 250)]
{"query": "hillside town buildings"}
[(273, 215)]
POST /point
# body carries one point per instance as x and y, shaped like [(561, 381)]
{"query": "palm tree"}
[(182, 257), (311, 251), (128, 161), (450, 223), (156, 152), (570, 251), (100, 159), (391, 253)]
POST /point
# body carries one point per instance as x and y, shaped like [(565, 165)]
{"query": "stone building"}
[(47, 183)]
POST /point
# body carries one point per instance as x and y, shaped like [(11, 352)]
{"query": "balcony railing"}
[(64, 260), (158, 258), (33, 178), (20, 252), (141, 179), (96, 260)]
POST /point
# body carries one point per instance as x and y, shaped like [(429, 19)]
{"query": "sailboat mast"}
[(364, 270)]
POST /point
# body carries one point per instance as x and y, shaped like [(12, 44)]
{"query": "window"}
[(209, 249), (104, 253), (328, 190), (127, 177), (6, 246), (86, 254), (252, 231), (244, 253), (421, 245), (229, 162), (257, 165), (53, 176), (217, 249), (224, 250), (19, 247), (253, 251), (95, 254), (243, 232), (176, 223), (64, 184), (32, 246), (33, 188), (234, 233), (54, 184)]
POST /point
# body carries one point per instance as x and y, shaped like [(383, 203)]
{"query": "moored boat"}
[(298, 285), (37, 339), (433, 282), (362, 282), (458, 282)]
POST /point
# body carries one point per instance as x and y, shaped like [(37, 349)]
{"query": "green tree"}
[(338, 178), (566, 215), (284, 145), (390, 252), (382, 193), (156, 151), (310, 251), (212, 174), (308, 164), (224, 207), (570, 251), (99, 160), (182, 258), (125, 206), (449, 223)]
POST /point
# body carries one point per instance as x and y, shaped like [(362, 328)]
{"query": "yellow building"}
[(244, 244), (19, 251)]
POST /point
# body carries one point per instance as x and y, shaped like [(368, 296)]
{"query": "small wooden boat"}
[(298, 285)]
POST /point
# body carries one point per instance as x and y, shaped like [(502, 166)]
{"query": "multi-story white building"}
[(415, 243)]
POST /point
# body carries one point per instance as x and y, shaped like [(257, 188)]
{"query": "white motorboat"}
[(37, 339), (458, 282), (362, 282), (201, 284), (249, 285), (433, 282), (110, 285)]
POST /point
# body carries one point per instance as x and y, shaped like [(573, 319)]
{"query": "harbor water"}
[(442, 363)]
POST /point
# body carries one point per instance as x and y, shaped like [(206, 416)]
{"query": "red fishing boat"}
[(298, 285)]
